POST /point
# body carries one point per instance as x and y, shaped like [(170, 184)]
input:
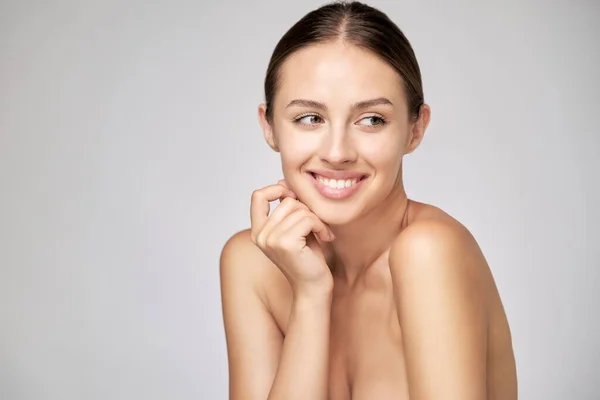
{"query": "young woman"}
[(348, 289)]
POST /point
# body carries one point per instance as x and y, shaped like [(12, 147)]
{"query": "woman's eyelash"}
[(382, 121), (300, 117)]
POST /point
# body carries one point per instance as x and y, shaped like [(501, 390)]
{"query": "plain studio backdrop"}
[(129, 147)]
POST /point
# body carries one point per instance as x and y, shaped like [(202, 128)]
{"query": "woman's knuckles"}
[(283, 244), (288, 202), (257, 195), (260, 240)]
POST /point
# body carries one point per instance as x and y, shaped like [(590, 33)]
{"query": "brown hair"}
[(355, 23)]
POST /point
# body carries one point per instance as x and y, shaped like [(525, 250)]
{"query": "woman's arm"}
[(303, 368), (254, 340), (437, 272), (262, 365)]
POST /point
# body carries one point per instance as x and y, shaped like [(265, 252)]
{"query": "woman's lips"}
[(337, 193)]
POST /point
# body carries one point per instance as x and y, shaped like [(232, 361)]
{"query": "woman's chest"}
[(366, 355), (366, 358)]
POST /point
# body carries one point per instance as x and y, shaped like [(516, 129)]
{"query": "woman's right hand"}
[(287, 238)]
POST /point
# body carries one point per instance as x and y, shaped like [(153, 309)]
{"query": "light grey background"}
[(129, 148)]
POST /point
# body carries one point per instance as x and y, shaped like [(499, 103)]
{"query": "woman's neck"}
[(359, 244)]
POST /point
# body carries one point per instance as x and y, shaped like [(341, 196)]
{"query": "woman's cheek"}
[(295, 149), (380, 153)]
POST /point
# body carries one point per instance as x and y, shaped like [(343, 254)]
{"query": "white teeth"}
[(336, 184)]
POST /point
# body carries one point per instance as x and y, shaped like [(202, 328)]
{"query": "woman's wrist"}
[(314, 297), (315, 293)]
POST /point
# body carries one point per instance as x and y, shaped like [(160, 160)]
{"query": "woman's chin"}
[(334, 217)]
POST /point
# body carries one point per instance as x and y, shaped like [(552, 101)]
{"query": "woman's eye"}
[(375, 120), (313, 119), (309, 119)]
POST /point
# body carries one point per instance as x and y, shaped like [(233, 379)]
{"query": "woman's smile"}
[(337, 185)]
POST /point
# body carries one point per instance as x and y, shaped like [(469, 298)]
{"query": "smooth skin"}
[(376, 296)]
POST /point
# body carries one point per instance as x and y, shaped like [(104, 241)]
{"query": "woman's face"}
[(340, 112)]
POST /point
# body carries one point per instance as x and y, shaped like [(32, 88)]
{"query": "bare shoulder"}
[(443, 280), (245, 266), (240, 247), (432, 225), (242, 262), (435, 245)]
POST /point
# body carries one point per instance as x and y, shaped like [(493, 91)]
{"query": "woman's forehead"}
[(338, 70)]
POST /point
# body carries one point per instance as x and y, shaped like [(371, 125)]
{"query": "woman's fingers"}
[(287, 206), (290, 217), (283, 183), (300, 223), (259, 205), (291, 237)]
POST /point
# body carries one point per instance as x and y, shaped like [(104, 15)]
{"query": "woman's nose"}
[(337, 148)]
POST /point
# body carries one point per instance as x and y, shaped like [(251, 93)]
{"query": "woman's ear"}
[(266, 127), (418, 129)]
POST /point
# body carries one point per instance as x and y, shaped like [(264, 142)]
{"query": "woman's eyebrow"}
[(307, 103), (321, 106), (373, 102)]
